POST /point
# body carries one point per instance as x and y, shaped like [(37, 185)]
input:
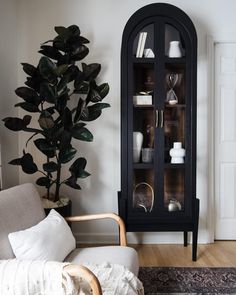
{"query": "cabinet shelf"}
[(143, 165), (174, 166), (171, 60), (175, 106), (144, 106), (143, 60)]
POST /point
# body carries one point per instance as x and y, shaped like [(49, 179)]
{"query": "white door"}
[(225, 141)]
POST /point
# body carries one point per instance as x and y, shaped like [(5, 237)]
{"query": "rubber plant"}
[(63, 98)]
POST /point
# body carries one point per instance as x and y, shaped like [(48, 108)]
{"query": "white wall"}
[(102, 22), (8, 83)]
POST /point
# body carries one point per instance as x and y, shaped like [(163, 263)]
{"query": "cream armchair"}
[(21, 208)]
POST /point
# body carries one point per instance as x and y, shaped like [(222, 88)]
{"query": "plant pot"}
[(64, 210)]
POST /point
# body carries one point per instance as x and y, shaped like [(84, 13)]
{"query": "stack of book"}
[(141, 44)]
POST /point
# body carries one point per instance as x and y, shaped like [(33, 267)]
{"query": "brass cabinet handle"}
[(157, 118), (162, 119)]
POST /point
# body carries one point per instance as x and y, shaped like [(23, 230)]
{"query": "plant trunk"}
[(58, 183)]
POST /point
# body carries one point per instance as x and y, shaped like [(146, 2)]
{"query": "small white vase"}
[(174, 49), (177, 153), (137, 145)]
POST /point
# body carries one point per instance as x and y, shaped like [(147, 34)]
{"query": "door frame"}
[(221, 37)]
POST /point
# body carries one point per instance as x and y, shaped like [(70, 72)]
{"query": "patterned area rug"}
[(188, 280)]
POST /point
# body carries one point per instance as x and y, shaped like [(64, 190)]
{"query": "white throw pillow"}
[(51, 239)]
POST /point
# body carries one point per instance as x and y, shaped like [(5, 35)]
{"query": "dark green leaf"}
[(74, 30), (14, 124), (45, 147), (91, 115), (83, 40), (46, 120), (50, 167), (91, 71), (103, 89), (79, 108), (79, 79), (27, 119), (48, 92), (34, 82), (59, 44), (83, 88), (94, 111), (15, 162), (47, 69), (62, 83), (63, 32), (77, 168), (93, 96), (51, 52), (28, 94), (28, 165), (98, 107), (81, 133), (60, 70), (27, 106), (43, 181), (80, 53), (67, 155), (62, 102), (72, 72), (71, 182), (67, 119), (29, 69)]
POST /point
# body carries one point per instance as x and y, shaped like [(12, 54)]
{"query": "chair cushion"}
[(20, 208), (113, 254), (51, 240)]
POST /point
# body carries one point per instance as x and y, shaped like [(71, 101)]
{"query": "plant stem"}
[(58, 180)]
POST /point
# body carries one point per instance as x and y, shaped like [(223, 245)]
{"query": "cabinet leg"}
[(195, 231), (185, 238)]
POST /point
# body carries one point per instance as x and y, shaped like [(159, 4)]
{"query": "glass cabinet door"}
[(174, 121), (143, 123), (158, 121)]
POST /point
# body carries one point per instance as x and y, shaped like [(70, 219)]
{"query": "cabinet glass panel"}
[(174, 189), (174, 110), (143, 45), (143, 194), (174, 45)]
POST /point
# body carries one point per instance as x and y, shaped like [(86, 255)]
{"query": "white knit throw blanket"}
[(33, 278), (45, 278)]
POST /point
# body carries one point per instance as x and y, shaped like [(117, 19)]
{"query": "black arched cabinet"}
[(158, 122)]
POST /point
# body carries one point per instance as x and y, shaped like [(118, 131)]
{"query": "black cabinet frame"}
[(159, 14)]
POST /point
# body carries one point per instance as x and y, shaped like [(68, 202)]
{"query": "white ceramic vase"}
[(177, 153), (174, 49), (137, 145)]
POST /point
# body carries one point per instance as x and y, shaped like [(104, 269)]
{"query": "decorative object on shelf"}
[(177, 153), (171, 79), (53, 95), (147, 155), (137, 146), (141, 44), (174, 205), (174, 49), (143, 98), (143, 197), (150, 136), (148, 53)]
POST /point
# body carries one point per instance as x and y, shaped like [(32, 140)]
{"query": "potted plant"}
[(63, 98)]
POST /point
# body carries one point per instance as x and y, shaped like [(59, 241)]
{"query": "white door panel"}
[(225, 141)]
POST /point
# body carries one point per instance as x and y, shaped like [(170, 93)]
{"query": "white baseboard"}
[(139, 238)]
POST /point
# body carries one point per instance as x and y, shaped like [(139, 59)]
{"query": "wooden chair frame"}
[(82, 271)]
